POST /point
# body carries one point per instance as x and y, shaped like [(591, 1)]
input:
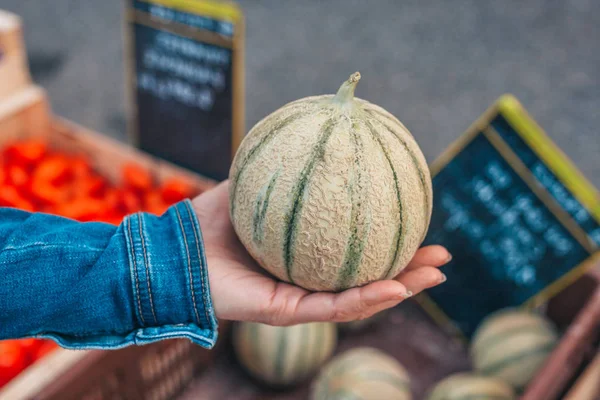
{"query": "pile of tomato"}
[(16, 355), (35, 177)]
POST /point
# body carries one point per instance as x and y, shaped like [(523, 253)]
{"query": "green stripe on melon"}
[(466, 386), (255, 150), (360, 222), (262, 204), (422, 175), (512, 345), (282, 356), (328, 193), (399, 234), (298, 196), (365, 373)]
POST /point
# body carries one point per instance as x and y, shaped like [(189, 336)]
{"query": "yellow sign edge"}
[(226, 10), (517, 165), (558, 162), (179, 29), (509, 107), (563, 282)]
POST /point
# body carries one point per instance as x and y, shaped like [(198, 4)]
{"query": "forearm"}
[(90, 285)]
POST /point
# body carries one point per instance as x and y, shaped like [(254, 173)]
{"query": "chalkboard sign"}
[(186, 83), (520, 221)]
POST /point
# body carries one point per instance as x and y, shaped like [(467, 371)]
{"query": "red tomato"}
[(17, 175), (131, 201), (154, 203), (174, 190), (47, 193), (112, 198), (46, 347), (30, 347), (54, 170), (80, 167), (111, 218), (81, 209), (12, 360), (26, 152), (136, 177), (10, 197), (92, 186)]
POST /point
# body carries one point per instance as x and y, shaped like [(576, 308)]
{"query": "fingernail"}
[(407, 294), (443, 279), (449, 258)]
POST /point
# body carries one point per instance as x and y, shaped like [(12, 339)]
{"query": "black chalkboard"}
[(517, 233), (185, 85)]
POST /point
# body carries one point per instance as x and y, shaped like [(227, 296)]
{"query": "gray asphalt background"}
[(435, 64)]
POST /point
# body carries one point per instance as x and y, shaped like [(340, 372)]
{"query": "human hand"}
[(241, 290)]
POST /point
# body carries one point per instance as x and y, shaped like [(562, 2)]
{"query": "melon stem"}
[(346, 92)]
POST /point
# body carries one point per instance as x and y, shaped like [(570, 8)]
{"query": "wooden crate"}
[(155, 371), (407, 334), (27, 114), (13, 59)]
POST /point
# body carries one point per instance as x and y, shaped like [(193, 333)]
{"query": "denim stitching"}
[(147, 268), (204, 288), (174, 329), (137, 283), (187, 249)]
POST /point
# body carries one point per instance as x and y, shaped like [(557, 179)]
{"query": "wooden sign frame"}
[(557, 162), (218, 10)]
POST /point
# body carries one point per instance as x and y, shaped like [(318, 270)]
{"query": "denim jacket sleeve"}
[(94, 285)]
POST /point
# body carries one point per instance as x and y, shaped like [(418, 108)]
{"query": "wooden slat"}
[(587, 386), (39, 375), (14, 72), (24, 114)]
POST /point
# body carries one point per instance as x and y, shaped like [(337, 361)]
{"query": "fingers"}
[(350, 305), (433, 256), (299, 306), (422, 278)]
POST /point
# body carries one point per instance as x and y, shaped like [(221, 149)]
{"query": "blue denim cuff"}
[(170, 293), (93, 285), (169, 277)]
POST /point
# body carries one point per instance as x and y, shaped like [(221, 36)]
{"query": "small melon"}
[(363, 373), (282, 356), (465, 386), (512, 345), (330, 192)]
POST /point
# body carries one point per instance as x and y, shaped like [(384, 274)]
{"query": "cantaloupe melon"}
[(512, 345), (282, 356), (363, 373), (465, 386), (330, 192)]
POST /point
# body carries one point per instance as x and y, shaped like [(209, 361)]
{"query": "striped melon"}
[(363, 373), (512, 345), (330, 192), (466, 386), (283, 356)]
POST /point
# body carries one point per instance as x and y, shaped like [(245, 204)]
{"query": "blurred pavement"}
[(436, 65)]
